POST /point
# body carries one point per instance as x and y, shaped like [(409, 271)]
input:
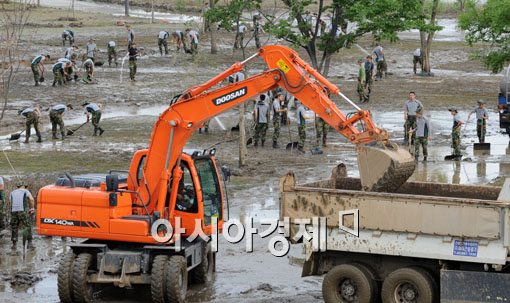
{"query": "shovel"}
[(70, 132), (16, 136)]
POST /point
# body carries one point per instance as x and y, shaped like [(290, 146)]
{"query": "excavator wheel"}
[(65, 278), (176, 279), (204, 272), (384, 169), (82, 289), (158, 278)]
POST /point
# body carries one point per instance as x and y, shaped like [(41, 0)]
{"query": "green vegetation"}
[(490, 24)]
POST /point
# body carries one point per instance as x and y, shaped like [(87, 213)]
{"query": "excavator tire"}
[(65, 278), (203, 273), (158, 278), (176, 279), (384, 169), (82, 290)]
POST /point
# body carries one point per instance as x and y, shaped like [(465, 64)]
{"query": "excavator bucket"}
[(384, 169)]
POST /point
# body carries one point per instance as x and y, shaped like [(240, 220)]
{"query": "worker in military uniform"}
[(417, 59), (93, 112), (88, 66), (38, 68), (56, 118), (162, 42), (457, 124), (133, 55), (67, 35), (482, 115), (178, 37), (112, 53), (205, 127), (369, 78), (261, 117), (277, 111), (2, 204), (411, 106), (382, 66), (22, 207), (422, 131), (32, 115), (300, 113), (321, 127), (60, 72), (193, 40), (361, 81)]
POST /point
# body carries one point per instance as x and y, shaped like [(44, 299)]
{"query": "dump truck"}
[(425, 242)]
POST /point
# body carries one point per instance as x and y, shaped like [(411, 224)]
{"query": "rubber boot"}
[(54, 136), (206, 130), (101, 131), (14, 246), (199, 130), (63, 135), (36, 83), (30, 245), (95, 132), (263, 142), (39, 139), (425, 159), (275, 144)]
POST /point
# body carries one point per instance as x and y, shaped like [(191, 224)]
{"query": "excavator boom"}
[(382, 168)]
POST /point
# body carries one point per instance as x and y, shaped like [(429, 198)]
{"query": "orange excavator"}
[(122, 214)]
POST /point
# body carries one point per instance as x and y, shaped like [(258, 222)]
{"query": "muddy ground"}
[(132, 108)]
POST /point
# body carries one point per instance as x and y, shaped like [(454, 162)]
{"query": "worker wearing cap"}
[(56, 114), (2, 204), (112, 53), (37, 66), (369, 77), (261, 117), (482, 115), (422, 131), (411, 106), (32, 115), (21, 206), (277, 111), (91, 50), (162, 42), (94, 110), (457, 124), (361, 81)]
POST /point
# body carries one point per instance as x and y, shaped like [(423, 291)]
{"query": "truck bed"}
[(427, 220)]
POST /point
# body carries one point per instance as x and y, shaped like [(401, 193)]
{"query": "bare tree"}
[(427, 35), (13, 22), (126, 8), (213, 27)]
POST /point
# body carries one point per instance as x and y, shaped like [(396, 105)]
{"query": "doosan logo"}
[(230, 96)]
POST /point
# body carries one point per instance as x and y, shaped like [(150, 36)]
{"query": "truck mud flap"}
[(473, 286)]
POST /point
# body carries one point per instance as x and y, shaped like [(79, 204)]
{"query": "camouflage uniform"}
[(2, 207), (21, 219), (409, 125), (321, 128), (58, 70), (423, 141), (112, 55), (369, 69), (96, 117), (261, 121), (481, 129), (133, 53), (35, 71), (276, 125), (32, 119), (260, 133), (56, 119), (456, 141)]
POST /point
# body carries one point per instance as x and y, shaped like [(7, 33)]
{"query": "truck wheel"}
[(203, 273), (65, 277), (409, 285), (158, 278), (349, 283), (176, 279), (82, 290)]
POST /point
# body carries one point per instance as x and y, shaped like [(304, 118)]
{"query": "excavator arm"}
[(190, 110)]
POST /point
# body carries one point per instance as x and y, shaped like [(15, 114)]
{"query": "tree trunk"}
[(426, 39), (214, 45), (243, 151), (126, 8), (73, 9), (152, 11)]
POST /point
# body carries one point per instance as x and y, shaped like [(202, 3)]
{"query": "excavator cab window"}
[(186, 197), (211, 192), (139, 171)]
